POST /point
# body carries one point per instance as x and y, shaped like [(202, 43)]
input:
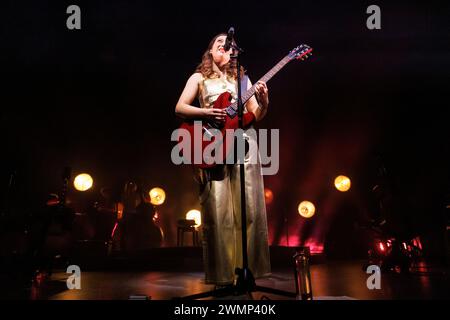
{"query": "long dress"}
[(221, 208)]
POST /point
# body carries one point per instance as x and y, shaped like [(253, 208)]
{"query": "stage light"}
[(157, 196), (83, 182), (306, 209), (268, 195), (342, 183), (196, 216)]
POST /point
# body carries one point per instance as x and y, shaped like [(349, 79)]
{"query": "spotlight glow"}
[(342, 183), (194, 215), (157, 196), (268, 195), (306, 209), (83, 182)]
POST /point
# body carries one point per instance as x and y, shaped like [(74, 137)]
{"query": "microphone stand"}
[(245, 283)]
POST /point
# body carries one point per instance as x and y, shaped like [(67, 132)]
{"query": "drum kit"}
[(54, 231)]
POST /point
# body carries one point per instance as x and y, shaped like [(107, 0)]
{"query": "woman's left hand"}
[(262, 94)]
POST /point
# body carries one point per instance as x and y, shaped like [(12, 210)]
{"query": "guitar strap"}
[(244, 82), (244, 86)]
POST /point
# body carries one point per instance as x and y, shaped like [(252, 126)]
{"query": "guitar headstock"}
[(302, 52)]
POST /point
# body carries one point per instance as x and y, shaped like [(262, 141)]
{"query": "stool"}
[(183, 226)]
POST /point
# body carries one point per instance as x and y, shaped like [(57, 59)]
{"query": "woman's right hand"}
[(215, 114)]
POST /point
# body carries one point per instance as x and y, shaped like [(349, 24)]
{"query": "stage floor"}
[(338, 280)]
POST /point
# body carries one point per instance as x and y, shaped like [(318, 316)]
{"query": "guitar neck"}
[(269, 75)]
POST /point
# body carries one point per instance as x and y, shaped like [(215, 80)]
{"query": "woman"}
[(220, 187)]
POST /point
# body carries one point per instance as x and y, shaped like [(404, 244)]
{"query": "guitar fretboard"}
[(250, 92)]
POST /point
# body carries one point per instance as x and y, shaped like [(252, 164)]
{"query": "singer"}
[(220, 186)]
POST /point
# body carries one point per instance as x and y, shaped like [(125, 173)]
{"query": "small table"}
[(185, 225)]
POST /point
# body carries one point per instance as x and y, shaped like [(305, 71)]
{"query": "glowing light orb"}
[(83, 182), (306, 209), (194, 215), (268, 195), (342, 183), (157, 196)]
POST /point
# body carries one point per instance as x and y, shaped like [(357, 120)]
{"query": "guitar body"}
[(199, 143)]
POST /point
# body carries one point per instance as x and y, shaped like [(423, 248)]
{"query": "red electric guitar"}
[(201, 131)]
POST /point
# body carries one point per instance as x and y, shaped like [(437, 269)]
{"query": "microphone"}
[(229, 40)]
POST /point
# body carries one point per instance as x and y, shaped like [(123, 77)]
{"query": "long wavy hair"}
[(206, 66)]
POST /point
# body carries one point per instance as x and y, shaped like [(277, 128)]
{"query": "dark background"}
[(101, 100)]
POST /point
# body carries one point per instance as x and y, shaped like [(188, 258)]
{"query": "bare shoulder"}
[(196, 77)]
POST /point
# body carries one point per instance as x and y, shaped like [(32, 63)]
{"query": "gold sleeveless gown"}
[(221, 209)]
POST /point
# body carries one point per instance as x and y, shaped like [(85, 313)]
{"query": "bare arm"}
[(185, 110), (258, 109)]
